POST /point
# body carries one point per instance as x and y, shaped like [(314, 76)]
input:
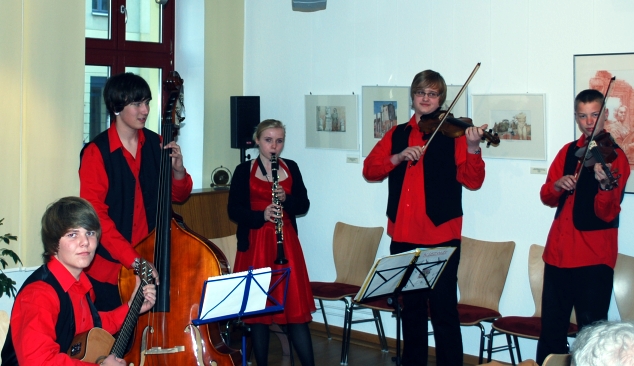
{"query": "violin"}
[(453, 127), (602, 151)]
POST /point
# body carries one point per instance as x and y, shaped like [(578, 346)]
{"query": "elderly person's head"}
[(604, 344)]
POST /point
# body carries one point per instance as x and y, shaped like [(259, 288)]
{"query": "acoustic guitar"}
[(96, 344)]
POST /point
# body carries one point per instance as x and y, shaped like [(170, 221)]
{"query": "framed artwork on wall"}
[(383, 108), (331, 122), (518, 119), (594, 71)]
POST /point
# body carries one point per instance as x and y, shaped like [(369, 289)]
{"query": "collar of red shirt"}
[(115, 141), (65, 278)]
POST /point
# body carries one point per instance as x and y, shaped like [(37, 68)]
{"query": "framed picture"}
[(518, 119), (331, 122), (595, 72), (383, 108), (386, 106)]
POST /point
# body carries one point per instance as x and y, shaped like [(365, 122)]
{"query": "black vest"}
[(583, 216), (65, 325), (443, 193), (121, 182)]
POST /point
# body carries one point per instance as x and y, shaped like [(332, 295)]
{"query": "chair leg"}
[(490, 345), (347, 329), (482, 337), (379, 329), (517, 349), (323, 312), (510, 344)]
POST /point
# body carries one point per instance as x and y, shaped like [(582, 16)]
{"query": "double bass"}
[(183, 259)]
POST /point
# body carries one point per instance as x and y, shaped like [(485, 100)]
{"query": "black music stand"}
[(247, 291), (418, 269)]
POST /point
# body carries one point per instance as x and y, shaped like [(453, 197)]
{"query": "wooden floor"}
[(328, 352)]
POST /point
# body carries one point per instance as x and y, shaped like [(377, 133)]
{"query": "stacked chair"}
[(515, 327), (484, 266), (354, 250)]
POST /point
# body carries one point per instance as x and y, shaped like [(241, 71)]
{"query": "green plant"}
[(7, 285)]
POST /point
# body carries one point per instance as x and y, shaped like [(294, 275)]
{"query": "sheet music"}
[(224, 295), (429, 266), (387, 273), (391, 270)]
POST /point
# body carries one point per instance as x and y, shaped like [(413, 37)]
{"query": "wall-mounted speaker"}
[(245, 116), (309, 5)]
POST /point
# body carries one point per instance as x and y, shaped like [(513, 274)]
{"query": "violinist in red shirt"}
[(582, 244), (424, 210)]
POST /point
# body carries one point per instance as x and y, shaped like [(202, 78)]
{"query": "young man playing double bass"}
[(582, 244), (119, 175)]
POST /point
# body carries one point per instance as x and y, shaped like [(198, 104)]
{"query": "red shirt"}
[(94, 188), (35, 313), (413, 224), (567, 247)]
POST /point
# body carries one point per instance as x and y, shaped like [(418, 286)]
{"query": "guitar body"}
[(91, 346)]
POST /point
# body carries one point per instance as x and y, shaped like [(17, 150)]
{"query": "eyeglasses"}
[(430, 95)]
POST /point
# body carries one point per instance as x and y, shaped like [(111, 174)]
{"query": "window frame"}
[(117, 53)]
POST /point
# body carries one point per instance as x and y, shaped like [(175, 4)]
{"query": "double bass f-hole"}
[(279, 226)]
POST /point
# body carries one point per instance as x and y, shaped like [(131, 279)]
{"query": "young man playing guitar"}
[(55, 303)]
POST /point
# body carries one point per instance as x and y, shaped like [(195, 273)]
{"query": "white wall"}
[(524, 46)]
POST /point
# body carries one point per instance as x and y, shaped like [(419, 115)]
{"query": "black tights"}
[(298, 335)]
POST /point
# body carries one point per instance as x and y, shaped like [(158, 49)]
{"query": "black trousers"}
[(442, 300), (587, 289)]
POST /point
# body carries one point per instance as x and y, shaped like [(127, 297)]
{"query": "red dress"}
[(262, 252)]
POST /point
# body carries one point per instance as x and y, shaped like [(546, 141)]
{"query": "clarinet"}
[(281, 259)]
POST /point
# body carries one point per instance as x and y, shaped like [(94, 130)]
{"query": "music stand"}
[(248, 291), (417, 269)]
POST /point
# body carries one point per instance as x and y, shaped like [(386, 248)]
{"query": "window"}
[(126, 36), (100, 7)]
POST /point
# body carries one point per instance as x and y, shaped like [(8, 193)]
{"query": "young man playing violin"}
[(582, 244), (424, 210)]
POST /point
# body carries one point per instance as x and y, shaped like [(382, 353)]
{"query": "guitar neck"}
[(127, 329)]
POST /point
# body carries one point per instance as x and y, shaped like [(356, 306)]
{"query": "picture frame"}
[(332, 122), (518, 119), (594, 71), (383, 107), (382, 110)]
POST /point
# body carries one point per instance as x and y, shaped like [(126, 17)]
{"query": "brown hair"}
[(65, 214), (588, 96)]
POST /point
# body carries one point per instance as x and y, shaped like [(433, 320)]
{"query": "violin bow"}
[(453, 103)]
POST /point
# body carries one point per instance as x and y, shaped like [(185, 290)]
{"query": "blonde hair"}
[(265, 125)]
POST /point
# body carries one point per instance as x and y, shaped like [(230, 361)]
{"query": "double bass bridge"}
[(155, 350)]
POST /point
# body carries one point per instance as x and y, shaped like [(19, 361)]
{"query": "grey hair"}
[(604, 343)]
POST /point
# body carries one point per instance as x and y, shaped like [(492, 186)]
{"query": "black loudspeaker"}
[(245, 116)]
